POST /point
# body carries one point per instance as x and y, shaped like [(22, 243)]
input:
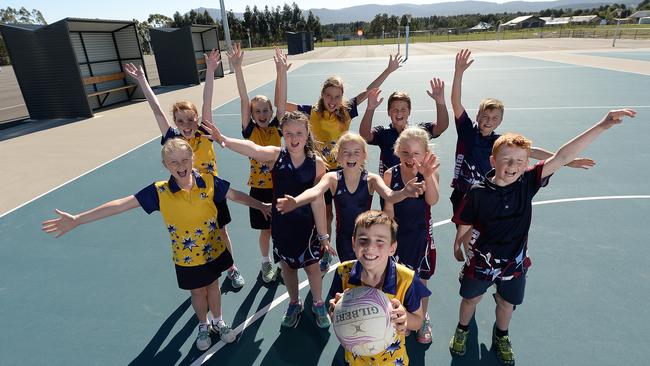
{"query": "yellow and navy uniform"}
[(205, 160), (399, 282), (190, 217), (260, 172), (326, 129)]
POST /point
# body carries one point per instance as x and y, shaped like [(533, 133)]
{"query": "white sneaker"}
[(203, 341), (225, 333), (268, 272), (236, 278)]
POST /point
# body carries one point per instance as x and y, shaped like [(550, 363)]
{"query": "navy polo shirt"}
[(500, 217)]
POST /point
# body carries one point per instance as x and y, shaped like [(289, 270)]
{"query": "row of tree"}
[(268, 26)]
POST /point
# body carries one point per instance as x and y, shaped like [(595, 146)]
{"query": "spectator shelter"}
[(70, 68), (179, 53), (526, 21), (636, 17), (299, 42)]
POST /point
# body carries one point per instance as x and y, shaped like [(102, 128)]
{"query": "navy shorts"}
[(190, 278), (510, 290), (223, 214), (257, 219)]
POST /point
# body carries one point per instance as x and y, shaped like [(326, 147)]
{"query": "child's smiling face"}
[(509, 164), (187, 122), (179, 163), (351, 155), (332, 98), (399, 113), (261, 112), (373, 246), (295, 135), (488, 120), (411, 151)]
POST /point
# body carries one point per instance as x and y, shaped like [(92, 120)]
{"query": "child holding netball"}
[(399, 111), (330, 117), (188, 202), (475, 140), (493, 223), (374, 243), (186, 118), (351, 188), (416, 249), (298, 237), (261, 127)]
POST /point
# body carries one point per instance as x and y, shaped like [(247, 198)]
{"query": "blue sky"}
[(128, 9)]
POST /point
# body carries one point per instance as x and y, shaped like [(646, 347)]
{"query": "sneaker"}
[(320, 313), (236, 278), (225, 333), (424, 333), (503, 348), (268, 272), (203, 341), (325, 262), (292, 316), (458, 343)]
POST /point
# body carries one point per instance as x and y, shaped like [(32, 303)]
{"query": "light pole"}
[(250, 45), (408, 24), (618, 26), (226, 31), (383, 27)]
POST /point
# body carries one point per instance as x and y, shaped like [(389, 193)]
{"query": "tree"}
[(159, 20), (313, 25)]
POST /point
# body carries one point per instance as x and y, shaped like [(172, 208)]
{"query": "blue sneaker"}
[(292, 316), (320, 313)]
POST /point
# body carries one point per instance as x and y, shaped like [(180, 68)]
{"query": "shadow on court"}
[(302, 345), (477, 354), (153, 355)]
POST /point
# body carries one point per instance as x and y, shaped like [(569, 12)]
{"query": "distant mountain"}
[(368, 12)]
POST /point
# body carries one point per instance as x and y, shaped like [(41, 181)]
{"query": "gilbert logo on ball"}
[(361, 321)]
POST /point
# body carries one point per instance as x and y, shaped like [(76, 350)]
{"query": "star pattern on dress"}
[(394, 347), (187, 259), (212, 225), (171, 229), (203, 195), (207, 248), (264, 169), (399, 361), (189, 243), (198, 232), (161, 189), (209, 167)]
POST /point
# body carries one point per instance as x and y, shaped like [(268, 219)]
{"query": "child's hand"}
[(235, 56), (394, 63), (213, 60), (327, 247), (398, 316), (133, 71), (458, 253), (373, 98), (429, 165), (286, 204), (616, 116), (463, 61), (581, 163), (437, 90), (215, 134), (60, 226), (333, 302), (282, 64), (414, 188), (265, 208)]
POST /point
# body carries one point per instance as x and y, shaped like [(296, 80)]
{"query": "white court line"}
[(12, 106), (428, 71), (509, 108), (250, 320), (97, 167)]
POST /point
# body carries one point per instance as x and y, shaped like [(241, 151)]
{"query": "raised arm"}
[(211, 63), (290, 203), (246, 200), (429, 169), (244, 147), (437, 93), (281, 68), (413, 189), (393, 64), (138, 74), (462, 63), (235, 58), (571, 149), (365, 128), (66, 221), (538, 153)]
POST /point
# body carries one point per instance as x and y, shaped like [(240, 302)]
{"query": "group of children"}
[(293, 185)]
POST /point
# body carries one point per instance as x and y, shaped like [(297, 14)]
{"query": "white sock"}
[(215, 319), (266, 259)]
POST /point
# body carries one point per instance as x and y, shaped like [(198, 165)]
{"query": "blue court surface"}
[(633, 55), (106, 294)]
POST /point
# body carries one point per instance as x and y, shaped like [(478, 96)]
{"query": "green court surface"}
[(636, 55), (106, 294)]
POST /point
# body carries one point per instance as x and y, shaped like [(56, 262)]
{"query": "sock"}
[(463, 327), (318, 303), (232, 268), (294, 302), (266, 259), (215, 319), (499, 332)]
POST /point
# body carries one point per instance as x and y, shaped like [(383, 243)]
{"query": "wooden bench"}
[(199, 62), (90, 80)]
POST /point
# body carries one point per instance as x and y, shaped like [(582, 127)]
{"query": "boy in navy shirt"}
[(493, 221)]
